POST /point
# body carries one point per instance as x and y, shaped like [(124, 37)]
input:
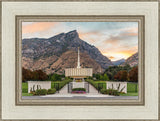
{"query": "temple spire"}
[(78, 63)]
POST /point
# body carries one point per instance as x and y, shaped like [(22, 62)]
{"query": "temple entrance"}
[(78, 80), (73, 85)]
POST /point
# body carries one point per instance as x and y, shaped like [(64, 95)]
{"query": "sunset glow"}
[(116, 40)]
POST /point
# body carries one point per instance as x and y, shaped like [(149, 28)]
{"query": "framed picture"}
[(79, 69), (85, 60)]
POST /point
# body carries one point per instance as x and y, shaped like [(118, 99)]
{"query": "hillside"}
[(132, 60), (118, 62), (54, 54)]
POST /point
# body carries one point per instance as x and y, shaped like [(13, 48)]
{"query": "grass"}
[(24, 87), (27, 94), (130, 94), (132, 87)]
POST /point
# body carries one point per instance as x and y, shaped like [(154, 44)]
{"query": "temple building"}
[(78, 73)]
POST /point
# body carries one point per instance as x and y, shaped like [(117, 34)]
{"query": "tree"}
[(124, 76), (121, 76), (133, 74), (117, 76), (41, 75), (55, 77), (105, 77), (113, 70), (97, 76), (28, 75)]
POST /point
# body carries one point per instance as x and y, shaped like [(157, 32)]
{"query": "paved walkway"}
[(92, 90)]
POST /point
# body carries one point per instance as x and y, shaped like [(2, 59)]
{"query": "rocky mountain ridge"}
[(118, 62), (132, 60), (54, 54)]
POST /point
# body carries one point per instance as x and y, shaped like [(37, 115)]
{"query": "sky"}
[(115, 40)]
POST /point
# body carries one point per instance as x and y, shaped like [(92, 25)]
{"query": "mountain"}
[(132, 60), (53, 55), (118, 62)]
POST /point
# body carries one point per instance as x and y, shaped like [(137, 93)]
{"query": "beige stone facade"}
[(78, 72)]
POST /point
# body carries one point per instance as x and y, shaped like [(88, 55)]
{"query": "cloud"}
[(120, 52), (111, 57), (115, 40), (121, 44), (35, 27), (90, 37), (124, 34)]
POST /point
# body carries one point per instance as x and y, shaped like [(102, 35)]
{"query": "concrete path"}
[(64, 90), (92, 90)]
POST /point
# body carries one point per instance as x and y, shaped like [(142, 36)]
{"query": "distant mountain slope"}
[(132, 60), (40, 53), (118, 62)]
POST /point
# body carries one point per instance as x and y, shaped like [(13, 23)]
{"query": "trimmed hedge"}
[(61, 84), (110, 92), (51, 91), (41, 92), (95, 84), (78, 89)]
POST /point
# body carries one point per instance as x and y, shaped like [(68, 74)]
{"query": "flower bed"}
[(78, 92)]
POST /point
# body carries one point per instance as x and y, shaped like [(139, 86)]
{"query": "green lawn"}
[(27, 94), (132, 87), (24, 87), (25, 90), (130, 94)]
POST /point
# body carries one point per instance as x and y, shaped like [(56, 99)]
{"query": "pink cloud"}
[(37, 27)]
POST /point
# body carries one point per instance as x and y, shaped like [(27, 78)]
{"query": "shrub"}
[(103, 91), (32, 92), (93, 83), (41, 92), (78, 89), (51, 91), (110, 92)]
